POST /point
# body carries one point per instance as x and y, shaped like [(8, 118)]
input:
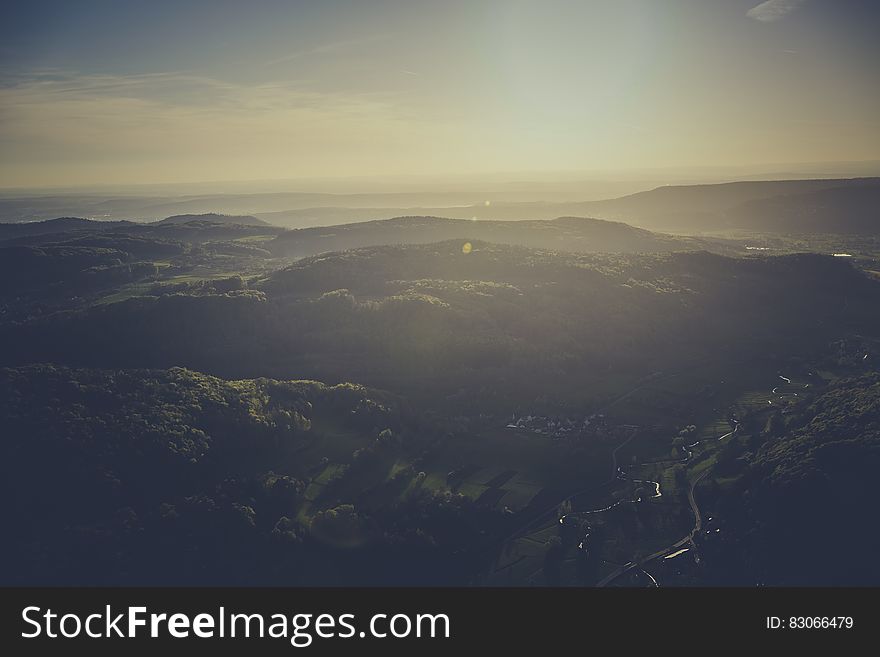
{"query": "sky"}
[(153, 92)]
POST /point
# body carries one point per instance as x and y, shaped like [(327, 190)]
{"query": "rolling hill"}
[(214, 218), (846, 209), (521, 322), (10, 231), (574, 234), (845, 206), (185, 228), (825, 206)]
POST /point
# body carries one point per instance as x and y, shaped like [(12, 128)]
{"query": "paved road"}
[(698, 522), (523, 529), (698, 526)]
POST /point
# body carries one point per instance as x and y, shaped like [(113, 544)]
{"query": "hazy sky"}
[(156, 91)]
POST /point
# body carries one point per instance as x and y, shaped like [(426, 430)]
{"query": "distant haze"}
[(109, 93)]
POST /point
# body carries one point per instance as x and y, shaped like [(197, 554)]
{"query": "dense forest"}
[(171, 476), (802, 503)]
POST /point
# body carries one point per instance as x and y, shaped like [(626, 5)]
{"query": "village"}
[(558, 428)]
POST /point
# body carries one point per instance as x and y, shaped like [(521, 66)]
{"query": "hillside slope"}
[(774, 206), (434, 321), (575, 234), (214, 218)]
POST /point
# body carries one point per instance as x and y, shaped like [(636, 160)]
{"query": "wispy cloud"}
[(58, 90), (156, 111), (60, 124), (773, 10)]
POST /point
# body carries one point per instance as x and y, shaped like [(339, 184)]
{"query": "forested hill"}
[(576, 234), (382, 268), (803, 508), (196, 228), (834, 210), (171, 476), (10, 231), (440, 320), (69, 264), (810, 206), (214, 218)]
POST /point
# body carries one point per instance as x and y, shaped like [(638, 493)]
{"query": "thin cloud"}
[(180, 90), (773, 10), (70, 126)]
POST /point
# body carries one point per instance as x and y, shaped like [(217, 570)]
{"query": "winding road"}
[(543, 514), (639, 385), (698, 526), (536, 520)]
